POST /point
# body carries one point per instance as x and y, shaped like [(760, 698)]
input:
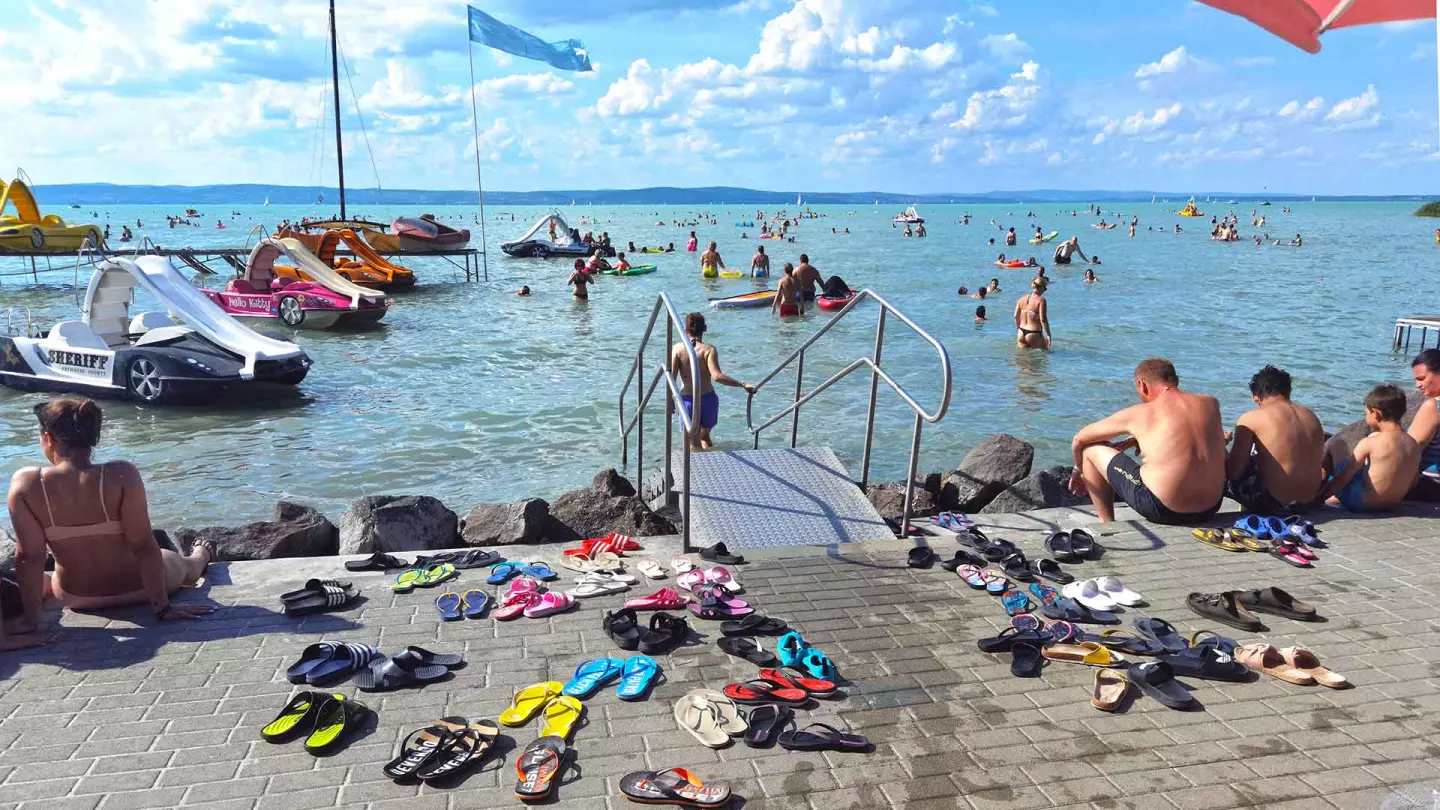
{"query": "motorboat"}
[(28, 231), (193, 350), (908, 217), (366, 267), (375, 233), (425, 234), (550, 236), (322, 301)]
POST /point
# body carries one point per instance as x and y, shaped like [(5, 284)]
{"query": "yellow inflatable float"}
[(366, 268), (28, 231)]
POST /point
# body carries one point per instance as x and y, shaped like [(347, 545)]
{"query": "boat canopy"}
[(565, 236)]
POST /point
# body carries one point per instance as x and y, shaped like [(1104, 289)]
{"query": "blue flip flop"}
[(640, 674), (1016, 603), (789, 648), (540, 571), (591, 675), (448, 604), (502, 572), (475, 604)]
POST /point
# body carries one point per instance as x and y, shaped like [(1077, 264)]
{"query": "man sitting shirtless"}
[(1276, 464), (1182, 440)]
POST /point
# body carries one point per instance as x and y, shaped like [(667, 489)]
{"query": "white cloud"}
[(1006, 107), (1296, 111), (1356, 112), (1008, 47), (523, 86), (1140, 122), (1172, 62)]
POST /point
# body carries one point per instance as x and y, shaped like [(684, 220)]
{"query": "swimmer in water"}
[(963, 291), (523, 291), (710, 262), (979, 294), (1000, 259), (994, 286), (787, 300), (1090, 277), (759, 263), (980, 314), (579, 279), (1032, 318), (1095, 259)]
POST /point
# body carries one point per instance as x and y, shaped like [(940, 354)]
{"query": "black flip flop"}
[(419, 747), (1277, 603), (1223, 608), (718, 553), (405, 669), (1208, 663), (742, 647), (1008, 638), (379, 561), (1124, 642), (463, 748), (762, 722), (427, 658), (1082, 543), (754, 625), (623, 628), (1161, 632), (536, 780), (477, 558), (666, 633), (1016, 566), (669, 788), (1059, 544), (828, 739), (1156, 679), (1067, 609), (1049, 569), (972, 537), (1025, 660), (443, 557), (921, 557)]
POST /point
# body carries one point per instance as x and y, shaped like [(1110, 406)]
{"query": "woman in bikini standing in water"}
[(1032, 318), (105, 551)]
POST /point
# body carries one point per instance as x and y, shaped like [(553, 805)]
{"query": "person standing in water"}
[(760, 263), (788, 300), (710, 262), (693, 243), (579, 279), (1065, 250), (1032, 318), (808, 277), (709, 373)]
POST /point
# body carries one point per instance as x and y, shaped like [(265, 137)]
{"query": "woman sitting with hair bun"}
[(94, 520)]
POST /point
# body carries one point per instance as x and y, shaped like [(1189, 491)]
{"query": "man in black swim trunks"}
[(1182, 439), (808, 277)]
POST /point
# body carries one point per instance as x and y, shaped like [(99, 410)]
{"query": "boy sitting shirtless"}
[(1384, 465)]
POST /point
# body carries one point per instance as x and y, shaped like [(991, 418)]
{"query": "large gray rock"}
[(608, 505), (987, 470), (7, 554), (889, 500), (1043, 489), (506, 523), (296, 531), (1352, 433), (397, 523)]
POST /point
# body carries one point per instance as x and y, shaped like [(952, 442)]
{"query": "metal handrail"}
[(876, 375), (688, 419)]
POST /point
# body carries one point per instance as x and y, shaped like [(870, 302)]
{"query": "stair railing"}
[(688, 418), (877, 374)]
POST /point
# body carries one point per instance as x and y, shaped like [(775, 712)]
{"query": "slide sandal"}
[(313, 587), (1277, 603), (536, 768), (379, 561), (1309, 663), (921, 557), (675, 786), (1210, 638), (502, 572), (329, 597), (336, 719), (997, 550), (1156, 679), (540, 571), (1059, 544), (640, 673), (310, 658), (815, 686), (663, 599), (1017, 567), (1223, 608), (763, 721), (1207, 663), (299, 713), (1086, 652), (1161, 632), (448, 606), (1049, 569), (1267, 660), (417, 749), (525, 703), (828, 738), (763, 691), (405, 669), (348, 659), (961, 558), (462, 748), (1025, 660), (747, 648), (1082, 543), (560, 717), (475, 603), (1109, 689), (591, 675), (548, 605)]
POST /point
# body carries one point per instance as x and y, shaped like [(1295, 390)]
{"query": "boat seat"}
[(146, 321), (77, 334), (281, 282), (240, 285)]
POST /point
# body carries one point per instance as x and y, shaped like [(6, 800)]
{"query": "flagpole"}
[(479, 184)]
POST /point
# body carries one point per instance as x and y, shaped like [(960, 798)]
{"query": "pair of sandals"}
[(504, 571), (559, 713), (442, 751), (330, 661), (416, 666), (666, 632), (318, 596), (327, 720), (470, 605), (636, 674), (794, 652), (424, 577), (1292, 528), (1073, 546)]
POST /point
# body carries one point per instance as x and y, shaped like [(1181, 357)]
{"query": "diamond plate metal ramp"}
[(778, 497)]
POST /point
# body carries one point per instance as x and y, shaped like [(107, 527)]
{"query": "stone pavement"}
[(127, 712)]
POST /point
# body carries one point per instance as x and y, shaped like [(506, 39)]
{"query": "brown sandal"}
[(1265, 659), (1309, 663), (1109, 689)]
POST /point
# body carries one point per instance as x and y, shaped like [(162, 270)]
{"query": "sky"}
[(920, 96)]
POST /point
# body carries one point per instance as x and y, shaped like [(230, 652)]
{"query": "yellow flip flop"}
[(1245, 540), (526, 702), (406, 582), (561, 715), (435, 574), (1217, 539)]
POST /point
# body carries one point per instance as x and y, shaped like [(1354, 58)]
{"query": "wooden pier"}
[(224, 261)]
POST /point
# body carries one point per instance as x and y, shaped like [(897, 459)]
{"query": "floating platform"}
[(1405, 330), (471, 261)]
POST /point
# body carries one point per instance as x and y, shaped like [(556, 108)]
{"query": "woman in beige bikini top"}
[(93, 519), (1032, 318)]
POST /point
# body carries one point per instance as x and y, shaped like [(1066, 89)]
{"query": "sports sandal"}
[(1216, 538), (561, 715), (675, 786), (1086, 652), (639, 674), (1267, 660), (665, 634), (828, 738), (1109, 689), (591, 675), (1276, 602), (536, 768), (623, 628), (1309, 663), (528, 702), (748, 649), (336, 719), (298, 714), (1223, 608)]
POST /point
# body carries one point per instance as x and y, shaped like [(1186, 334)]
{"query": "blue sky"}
[(923, 96)]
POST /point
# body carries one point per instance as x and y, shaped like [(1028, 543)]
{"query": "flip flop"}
[(995, 582), (716, 612), (1289, 552), (335, 720), (379, 561), (746, 648), (921, 557), (665, 634), (681, 563), (639, 674), (1025, 660), (1245, 539), (1046, 594), (763, 721), (591, 675), (763, 691), (1126, 643), (1156, 679), (561, 715), (1267, 660), (1223, 608), (1060, 544), (1216, 538), (404, 669), (477, 558), (1049, 569), (503, 572), (1017, 567), (527, 702), (961, 558), (675, 786), (419, 747), (427, 658), (1109, 689), (753, 625), (815, 686), (1016, 603), (706, 718), (1276, 602), (540, 571), (1309, 663), (972, 575), (461, 749), (433, 575), (1060, 631), (587, 588), (651, 568), (299, 713), (1009, 637), (475, 603), (536, 768), (448, 606), (1086, 652), (828, 738), (310, 658), (407, 580), (1161, 632)]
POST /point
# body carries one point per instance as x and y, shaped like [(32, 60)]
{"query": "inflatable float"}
[(834, 301), (636, 270), (728, 273), (750, 300), (1011, 264), (1047, 238)]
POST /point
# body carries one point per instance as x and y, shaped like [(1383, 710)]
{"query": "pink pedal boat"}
[(327, 301)]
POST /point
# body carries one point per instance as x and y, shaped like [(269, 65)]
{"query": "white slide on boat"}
[(322, 273)]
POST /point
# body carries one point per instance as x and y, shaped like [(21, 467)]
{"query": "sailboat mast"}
[(335, 83)]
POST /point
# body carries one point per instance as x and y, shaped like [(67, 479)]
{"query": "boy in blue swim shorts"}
[(709, 373), (1384, 465)]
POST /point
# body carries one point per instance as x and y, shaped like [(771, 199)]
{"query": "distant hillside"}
[(107, 194)]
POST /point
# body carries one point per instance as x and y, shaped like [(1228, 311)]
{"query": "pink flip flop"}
[(1289, 552), (515, 606), (549, 604), (663, 599)]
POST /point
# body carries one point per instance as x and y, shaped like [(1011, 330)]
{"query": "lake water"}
[(470, 394)]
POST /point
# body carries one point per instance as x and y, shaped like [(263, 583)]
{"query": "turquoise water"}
[(471, 394)]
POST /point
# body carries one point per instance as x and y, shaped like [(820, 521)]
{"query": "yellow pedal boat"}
[(366, 268), (27, 231)]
